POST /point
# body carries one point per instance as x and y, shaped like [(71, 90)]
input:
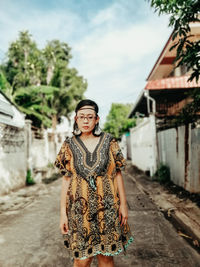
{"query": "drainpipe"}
[(154, 130), (149, 98)]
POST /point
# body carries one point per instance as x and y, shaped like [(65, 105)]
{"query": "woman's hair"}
[(87, 102), (82, 103)]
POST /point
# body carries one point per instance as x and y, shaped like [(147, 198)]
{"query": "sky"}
[(114, 44)]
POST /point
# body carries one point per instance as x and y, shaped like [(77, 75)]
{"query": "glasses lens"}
[(89, 118)]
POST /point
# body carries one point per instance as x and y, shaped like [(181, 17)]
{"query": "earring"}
[(77, 131), (97, 129)]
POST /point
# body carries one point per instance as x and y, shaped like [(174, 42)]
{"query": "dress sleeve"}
[(120, 161), (63, 158)]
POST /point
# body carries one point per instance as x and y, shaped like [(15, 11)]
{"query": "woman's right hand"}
[(64, 224)]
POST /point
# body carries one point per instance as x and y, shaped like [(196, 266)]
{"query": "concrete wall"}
[(143, 145), (12, 158), (179, 148), (128, 142), (123, 146), (39, 157), (20, 151), (21, 148), (44, 151)]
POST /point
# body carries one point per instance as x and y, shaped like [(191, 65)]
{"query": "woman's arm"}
[(123, 210), (63, 216)]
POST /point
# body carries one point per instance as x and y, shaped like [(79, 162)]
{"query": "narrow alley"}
[(30, 234)]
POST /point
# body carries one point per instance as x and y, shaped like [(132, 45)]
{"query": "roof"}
[(160, 56), (140, 105), (164, 64), (8, 99), (172, 83), (9, 113)]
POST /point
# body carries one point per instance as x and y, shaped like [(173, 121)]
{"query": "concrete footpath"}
[(181, 212), (30, 234)]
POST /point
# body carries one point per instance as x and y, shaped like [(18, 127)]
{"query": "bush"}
[(29, 178), (163, 174)]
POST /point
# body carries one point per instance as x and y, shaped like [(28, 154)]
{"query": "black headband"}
[(87, 108)]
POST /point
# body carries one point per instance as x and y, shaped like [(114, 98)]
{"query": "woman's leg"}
[(82, 263), (105, 261)]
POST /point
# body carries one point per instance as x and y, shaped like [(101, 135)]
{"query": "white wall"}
[(20, 151), (12, 158), (44, 151), (123, 146), (143, 145), (39, 157)]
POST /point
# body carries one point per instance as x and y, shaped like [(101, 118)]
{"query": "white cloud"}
[(108, 15), (114, 50), (42, 25), (117, 59)]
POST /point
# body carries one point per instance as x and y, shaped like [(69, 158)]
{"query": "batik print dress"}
[(92, 200)]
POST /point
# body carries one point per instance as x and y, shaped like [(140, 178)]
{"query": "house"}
[(22, 148), (9, 113), (155, 139), (167, 86), (12, 146)]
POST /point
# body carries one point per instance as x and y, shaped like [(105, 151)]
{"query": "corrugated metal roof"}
[(6, 108), (171, 83)]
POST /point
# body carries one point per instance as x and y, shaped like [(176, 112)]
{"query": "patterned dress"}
[(92, 201)]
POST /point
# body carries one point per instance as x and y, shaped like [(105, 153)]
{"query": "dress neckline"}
[(84, 146)]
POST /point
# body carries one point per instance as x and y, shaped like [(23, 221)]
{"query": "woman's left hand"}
[(123, 214)]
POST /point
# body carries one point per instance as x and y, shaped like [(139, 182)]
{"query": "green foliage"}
[(35, 102), (181, 14), (163, 173), (40, 82), (4, 85), (117, 122), (23, 67), (29, 179), (3, 82), (189, 113)]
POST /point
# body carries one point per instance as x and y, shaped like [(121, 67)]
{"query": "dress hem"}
[(110, 254)]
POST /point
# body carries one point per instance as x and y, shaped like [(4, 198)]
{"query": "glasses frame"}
[(86, 117)]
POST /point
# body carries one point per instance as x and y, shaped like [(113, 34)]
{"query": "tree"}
[(4, 85), (190, 112), (40, 82), (71, 91), (34, 101), (24, 64), (72, 86), (182, 13), (117, 122), (56, 55)]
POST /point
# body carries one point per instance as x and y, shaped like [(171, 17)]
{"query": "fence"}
[(179, 148)]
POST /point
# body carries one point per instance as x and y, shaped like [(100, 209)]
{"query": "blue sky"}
[(114, 43)]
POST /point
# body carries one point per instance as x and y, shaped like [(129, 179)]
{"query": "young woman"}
[(93, 203)]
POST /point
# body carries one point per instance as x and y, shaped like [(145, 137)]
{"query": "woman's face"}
[(86, 119)]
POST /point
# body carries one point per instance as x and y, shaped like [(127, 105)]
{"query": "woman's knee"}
[(105, 259), (83, 263)]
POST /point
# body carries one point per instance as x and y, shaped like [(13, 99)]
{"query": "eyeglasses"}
[(89, 118)]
